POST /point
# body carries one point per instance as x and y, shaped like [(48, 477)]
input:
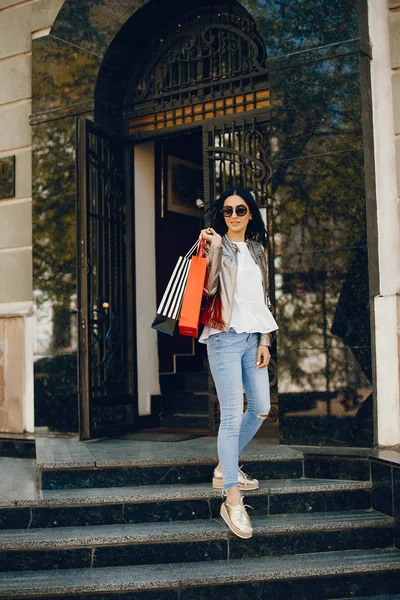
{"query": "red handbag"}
[(190, 312)]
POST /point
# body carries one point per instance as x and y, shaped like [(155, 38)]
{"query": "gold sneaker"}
[(245, 482), (237, 519)]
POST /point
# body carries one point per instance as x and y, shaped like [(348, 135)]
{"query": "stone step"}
[(337, 463), (70, 464), (120, 475), (319, 575), (159, 543), (385, 597), (17, 445), (181, 401), (184, 420), (184, 382), (150, 504), (190, 363)]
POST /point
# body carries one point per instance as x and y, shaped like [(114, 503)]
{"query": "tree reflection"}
[(54, 225), (317, 194), (288, 26)]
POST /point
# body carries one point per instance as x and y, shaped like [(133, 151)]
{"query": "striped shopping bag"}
[(170, 306)]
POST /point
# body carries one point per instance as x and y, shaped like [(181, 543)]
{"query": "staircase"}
[(140, 521), (183, 402)]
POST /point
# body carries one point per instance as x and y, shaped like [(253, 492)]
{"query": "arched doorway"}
[(200, 95), (321, 193)]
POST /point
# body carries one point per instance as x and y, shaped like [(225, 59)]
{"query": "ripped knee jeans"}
[(232, 357)]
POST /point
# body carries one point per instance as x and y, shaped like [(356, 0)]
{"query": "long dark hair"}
[(255, 229)]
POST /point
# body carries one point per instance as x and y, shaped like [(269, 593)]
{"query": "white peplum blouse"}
[(250, 314)]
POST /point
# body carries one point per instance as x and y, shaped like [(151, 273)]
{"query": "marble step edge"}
[(178, 575), (185, 531), (180, 413), (177, 492), (385, 597), (89, 462)]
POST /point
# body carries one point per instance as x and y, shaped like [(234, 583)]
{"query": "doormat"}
[(161, 436)]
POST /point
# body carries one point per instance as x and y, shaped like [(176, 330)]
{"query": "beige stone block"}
[(394, 3), (398, 168), (16, 275), (394, 29), (44, 13), (23, 174), (396, 101), (15, 225), (15, 74), (15, 35), (2, 360), (14, 126), (11, 374), (9, 3)]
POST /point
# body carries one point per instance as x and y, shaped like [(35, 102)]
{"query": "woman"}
[(237, 333)]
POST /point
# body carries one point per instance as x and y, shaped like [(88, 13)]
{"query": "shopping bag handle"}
[(193, 249), (197, 247), (200, 249)]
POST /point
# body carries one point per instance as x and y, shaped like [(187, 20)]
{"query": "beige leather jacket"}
[(220, 283)]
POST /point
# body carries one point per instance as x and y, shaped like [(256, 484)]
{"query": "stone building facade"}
[(21, 22), (60, 60)]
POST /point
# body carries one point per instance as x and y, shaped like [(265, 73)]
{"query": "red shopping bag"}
[(190, 313)]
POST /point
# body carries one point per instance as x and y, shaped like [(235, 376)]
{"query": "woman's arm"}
[(265, 339), (213, 252)]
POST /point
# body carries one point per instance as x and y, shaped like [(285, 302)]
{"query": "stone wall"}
[(394, 25), (21, 21), (394, 28)]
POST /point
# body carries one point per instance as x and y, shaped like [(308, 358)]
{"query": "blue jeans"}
[(232, 357)]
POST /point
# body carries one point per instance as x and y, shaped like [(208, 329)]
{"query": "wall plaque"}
[(7, 177)]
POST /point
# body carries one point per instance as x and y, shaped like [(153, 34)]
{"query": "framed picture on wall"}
[(185, 185)]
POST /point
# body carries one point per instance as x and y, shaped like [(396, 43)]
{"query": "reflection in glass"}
[(54, 273), (316, 108), (62, 75), (288, 26), (319, 244), (54, 226), (322, 299), (316, 204)]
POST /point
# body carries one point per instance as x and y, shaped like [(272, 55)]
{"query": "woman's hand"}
[(210, 235), (263, 357)]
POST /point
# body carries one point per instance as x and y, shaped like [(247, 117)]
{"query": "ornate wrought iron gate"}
[(236, 152), (107, 373)]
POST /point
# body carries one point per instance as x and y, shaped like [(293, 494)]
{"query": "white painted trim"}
[(145, 257), (385, 310), (385, 150), (39, 33), (16, 309), (387, 369)]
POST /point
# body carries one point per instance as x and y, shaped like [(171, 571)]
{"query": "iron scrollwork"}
[(239, 155), (210, 51), (107, 340)]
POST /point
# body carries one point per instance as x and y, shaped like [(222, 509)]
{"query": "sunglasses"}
[(240, 210)]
